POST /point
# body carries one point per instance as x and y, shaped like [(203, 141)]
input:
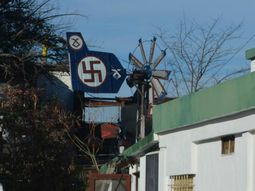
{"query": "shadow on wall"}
[(57, 85)]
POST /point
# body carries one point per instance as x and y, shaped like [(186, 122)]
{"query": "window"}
[(182, 182), (227, 145)]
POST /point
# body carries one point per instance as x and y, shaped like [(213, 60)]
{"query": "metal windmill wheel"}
[(149, 67), (146, 76)]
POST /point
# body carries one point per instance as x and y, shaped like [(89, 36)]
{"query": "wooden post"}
[(142, 115)]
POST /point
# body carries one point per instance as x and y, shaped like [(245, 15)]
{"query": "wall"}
[(141, 186), (216, 172), (222, 100), (141, 168), (134, 179), (58, 86), (197, 150)]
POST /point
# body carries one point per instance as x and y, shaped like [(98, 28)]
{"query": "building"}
[(203, 141), (57, 84)]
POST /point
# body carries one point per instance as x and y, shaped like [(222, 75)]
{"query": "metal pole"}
[(142, 116)]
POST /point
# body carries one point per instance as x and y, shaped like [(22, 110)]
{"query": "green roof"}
[(140, 146), (224, 99), (137, 149), (250, 54)]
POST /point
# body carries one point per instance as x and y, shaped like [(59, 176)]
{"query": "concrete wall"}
[(197, 150), (134, 181), (141, 185), (220, 172)]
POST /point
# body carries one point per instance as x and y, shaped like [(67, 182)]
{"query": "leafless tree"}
[(26, 27), (89, 147), (200, 55)]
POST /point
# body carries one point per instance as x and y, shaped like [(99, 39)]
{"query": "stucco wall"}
[(197, 150), (216, 172)]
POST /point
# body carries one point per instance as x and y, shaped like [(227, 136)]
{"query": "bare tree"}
[(200, 55), (27, 27), (89, 147)]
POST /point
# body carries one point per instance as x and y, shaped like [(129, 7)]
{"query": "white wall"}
[(134, 169), (197, 150), (141, 186), (217, 172), (163, 179), (251, 161)]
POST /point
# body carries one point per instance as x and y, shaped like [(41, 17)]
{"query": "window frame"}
[(184, 182), (228, 145)]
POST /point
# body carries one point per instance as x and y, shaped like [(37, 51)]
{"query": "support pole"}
[(142, 115)]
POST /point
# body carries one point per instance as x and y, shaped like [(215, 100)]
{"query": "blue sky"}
[(116, 25)]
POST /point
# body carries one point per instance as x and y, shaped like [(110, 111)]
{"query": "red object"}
[(109, 131)]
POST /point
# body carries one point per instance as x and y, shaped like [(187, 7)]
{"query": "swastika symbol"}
[(91, 71)]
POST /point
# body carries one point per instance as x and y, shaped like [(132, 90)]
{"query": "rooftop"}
[(225, 99)]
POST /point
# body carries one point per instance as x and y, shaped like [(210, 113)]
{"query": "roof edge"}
[(225, 99)]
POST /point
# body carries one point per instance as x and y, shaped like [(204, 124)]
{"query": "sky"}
[(116, 25)]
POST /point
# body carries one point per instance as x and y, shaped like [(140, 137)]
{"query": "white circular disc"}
[(92, 71), (75, 42)]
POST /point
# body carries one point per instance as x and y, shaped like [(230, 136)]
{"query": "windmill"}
[(146, 77)]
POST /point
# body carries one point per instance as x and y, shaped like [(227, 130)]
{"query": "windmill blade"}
[(158, 60), (142, 51), (162, 74), (153, 43), (158, 87), (135, 61)]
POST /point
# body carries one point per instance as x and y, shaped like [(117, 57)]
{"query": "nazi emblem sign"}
[(92, 71), (75, 42)]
